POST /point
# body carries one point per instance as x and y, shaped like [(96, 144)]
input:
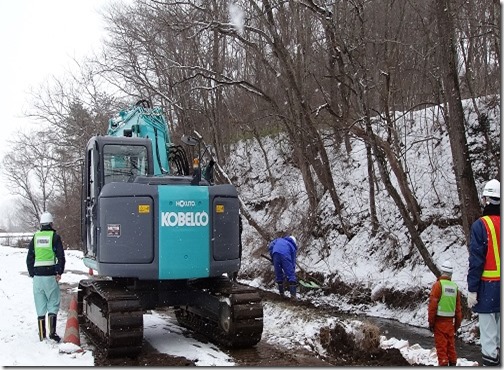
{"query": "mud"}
[(263, 355), (148, 357)]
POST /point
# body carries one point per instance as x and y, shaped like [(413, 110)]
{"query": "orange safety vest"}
[(491, 271)]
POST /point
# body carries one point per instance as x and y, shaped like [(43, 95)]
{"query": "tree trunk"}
[(371, 181), (467, 192), (415, 235)]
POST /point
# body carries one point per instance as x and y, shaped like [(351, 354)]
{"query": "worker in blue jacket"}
[(483, 277), (283, 256)]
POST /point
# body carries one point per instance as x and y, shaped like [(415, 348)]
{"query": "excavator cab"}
[(109, 159), (123, 163)]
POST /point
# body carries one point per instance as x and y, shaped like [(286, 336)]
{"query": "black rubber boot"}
[(41, 327), (292, 290), (52, 328), (281, 289)]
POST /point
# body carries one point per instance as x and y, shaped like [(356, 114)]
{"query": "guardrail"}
[(15, 239)]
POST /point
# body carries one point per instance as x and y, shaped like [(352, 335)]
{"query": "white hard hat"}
[(492, 189), (293, 238), (447, 267), (46, 218)]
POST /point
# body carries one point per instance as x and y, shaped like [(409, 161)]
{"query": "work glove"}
[(472, 299)]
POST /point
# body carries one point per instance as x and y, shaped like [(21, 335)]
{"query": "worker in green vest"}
[(46, 262), (445, 315)]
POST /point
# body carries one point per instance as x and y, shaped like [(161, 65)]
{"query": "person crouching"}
[(283, 257)]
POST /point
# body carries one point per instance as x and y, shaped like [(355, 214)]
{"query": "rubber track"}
[(245, 312), (122, 312)]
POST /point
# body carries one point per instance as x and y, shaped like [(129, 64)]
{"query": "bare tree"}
[(69, 112), (319, 72), (29, 170), (466, 187)]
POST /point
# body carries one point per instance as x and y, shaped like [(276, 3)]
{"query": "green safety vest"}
[(43, 245), (448, 300)]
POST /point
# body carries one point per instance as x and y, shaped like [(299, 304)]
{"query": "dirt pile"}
[(359, 349)]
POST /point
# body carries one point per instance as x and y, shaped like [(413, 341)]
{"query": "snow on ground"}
[(20, 346), (164, 334), (19, 343)]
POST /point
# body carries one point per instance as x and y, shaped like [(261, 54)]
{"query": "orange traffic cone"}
[(72, 325)]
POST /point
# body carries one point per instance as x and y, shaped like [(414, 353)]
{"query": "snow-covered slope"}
[(387, 261)]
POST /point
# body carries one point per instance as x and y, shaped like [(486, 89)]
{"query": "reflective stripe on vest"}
[(43, 245), (491, 271), (448, 300)]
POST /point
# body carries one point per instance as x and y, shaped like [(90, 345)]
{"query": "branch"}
[(264, 234)]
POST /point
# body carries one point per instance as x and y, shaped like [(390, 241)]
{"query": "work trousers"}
[(47, 294), (284, 268), (489, 325), (444, 338)]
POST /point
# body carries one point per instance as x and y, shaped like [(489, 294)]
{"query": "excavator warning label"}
[(219, 208), (143, 208), (113, 230)]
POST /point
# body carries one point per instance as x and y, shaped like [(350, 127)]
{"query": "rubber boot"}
[(292, 290), (52, 328), (281, 289), (41, 328)]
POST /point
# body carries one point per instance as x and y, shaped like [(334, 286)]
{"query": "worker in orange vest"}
[(483, 277), (445, 315)]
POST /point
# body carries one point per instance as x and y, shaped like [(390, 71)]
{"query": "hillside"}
[(384, 273)]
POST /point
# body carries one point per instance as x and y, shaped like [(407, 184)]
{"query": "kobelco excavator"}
[(158, 237)]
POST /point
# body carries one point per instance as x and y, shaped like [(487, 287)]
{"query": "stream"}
[(422, 336), (388, 327)]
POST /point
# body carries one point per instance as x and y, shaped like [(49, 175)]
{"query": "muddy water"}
[(264, 354)]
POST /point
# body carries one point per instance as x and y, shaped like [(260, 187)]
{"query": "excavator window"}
[(122, 163)]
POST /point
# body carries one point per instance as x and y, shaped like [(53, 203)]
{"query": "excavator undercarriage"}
[(111, 311)]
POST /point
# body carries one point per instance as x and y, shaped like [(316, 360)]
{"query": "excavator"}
[(159, 237)]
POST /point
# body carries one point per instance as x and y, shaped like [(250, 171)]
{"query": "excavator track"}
[(226, 312), (111, 317), (238, 322)]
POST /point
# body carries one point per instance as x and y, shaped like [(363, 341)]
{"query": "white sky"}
[(39, 39)]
